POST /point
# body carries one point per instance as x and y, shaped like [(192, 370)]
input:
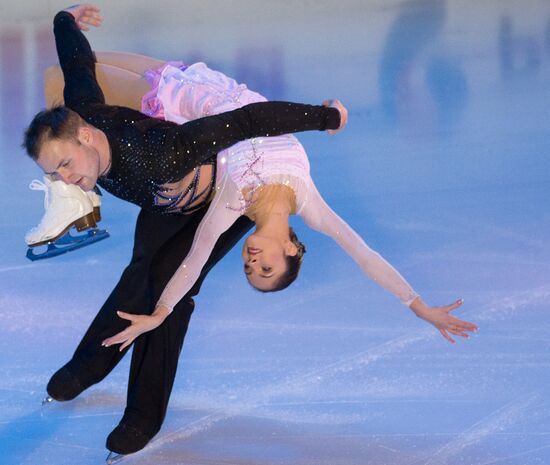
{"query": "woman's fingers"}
[(119, 337), (463, 325), (454, 305), (139, 324), (127, 336), (446, 336), (126, 344), (459, 327), (128, 316), (116, 339), (458, 332)]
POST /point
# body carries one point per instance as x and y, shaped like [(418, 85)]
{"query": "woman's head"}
[(272, 264)]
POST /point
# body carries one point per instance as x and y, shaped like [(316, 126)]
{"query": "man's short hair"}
[(58, 122)]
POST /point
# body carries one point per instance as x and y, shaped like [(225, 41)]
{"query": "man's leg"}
[(91, 362), (156, 353)]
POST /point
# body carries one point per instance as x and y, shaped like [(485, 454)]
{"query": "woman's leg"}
[(111, 79), (120, 86), (129, 61)]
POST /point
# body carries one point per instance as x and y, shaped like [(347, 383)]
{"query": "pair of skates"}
[(65, 206)]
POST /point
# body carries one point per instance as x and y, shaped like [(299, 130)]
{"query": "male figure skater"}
[(132, 156)]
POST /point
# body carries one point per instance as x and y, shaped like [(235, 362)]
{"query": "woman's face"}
[(264, 261)]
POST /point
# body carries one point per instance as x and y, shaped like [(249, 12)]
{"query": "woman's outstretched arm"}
[(319, 216), (218, 219)]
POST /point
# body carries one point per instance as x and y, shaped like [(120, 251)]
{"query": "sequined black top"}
[(147, 152)]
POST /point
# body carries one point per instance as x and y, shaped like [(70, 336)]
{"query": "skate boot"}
[(125, 439), (65, 206), (63, 386), (95, 197)]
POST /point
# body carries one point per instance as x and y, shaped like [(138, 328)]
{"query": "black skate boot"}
[(64, 386), (125, 439)]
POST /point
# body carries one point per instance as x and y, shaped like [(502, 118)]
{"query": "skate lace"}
[(37, 185)]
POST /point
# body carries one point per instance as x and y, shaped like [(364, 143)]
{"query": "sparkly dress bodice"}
[(184, 93)]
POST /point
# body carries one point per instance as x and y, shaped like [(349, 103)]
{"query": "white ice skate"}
[(95, 197), (66, 206)]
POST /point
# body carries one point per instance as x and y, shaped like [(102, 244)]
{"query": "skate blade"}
[(67, 243), (47, 400), (113, 458)]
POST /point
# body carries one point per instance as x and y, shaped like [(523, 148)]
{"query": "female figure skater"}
[(266, 179)]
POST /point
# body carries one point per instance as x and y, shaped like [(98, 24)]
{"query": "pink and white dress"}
[(181, 94)]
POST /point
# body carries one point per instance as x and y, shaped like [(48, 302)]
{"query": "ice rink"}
[(444, 169)]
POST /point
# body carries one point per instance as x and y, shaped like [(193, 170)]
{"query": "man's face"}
[(70, 161)]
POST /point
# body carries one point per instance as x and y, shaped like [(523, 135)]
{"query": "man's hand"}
[(343, 114), (85, 15), (140, 324), (440, 317)]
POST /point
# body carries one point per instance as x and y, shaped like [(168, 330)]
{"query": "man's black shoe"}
[(127, 439), (64, 386)]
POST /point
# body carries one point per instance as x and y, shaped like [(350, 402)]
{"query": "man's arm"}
[(203, 138), (76, 59)]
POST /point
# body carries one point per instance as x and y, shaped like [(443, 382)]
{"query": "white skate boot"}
[(66, 206), (95, 196)]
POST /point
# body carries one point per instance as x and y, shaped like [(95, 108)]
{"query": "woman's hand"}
[(441, 318), (85, 15), (140, 324), (343, 114)]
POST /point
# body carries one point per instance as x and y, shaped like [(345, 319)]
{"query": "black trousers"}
[(161, 243)]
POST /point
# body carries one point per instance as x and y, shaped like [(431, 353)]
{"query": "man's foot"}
[(63, 385), (127, 439)]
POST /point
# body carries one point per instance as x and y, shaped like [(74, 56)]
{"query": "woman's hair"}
[(293, 265), (58, 122)]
